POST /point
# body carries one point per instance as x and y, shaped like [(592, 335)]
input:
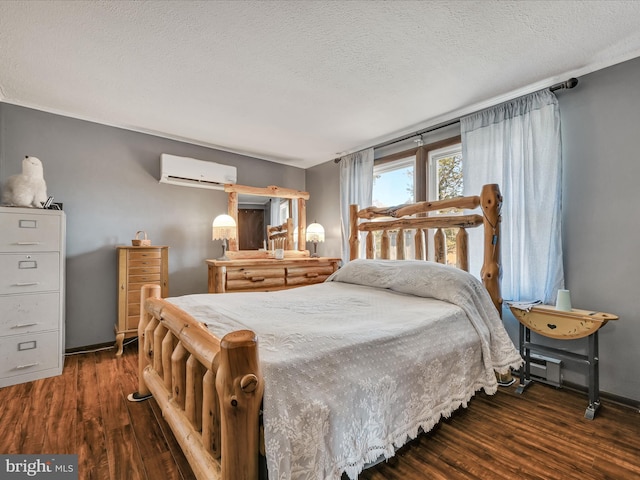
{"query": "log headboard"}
[(414, 217)]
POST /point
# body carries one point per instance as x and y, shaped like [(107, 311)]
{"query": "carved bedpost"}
[(354, 241), (147, 291), (491, 202), (240, 387)]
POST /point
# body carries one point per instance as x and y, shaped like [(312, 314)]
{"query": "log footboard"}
[(209, 389)]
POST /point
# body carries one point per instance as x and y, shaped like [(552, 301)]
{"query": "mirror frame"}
[(233, 190)]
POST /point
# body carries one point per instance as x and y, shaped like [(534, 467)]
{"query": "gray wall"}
[(107, 179), (601, 227), (323, 185)]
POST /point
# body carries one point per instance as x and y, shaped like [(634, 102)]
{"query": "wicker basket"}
[(141, 242)]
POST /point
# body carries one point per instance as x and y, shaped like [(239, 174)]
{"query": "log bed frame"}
[(210, 389)]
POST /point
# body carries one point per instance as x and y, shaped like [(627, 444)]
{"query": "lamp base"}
[(315, 253), (224, 250)]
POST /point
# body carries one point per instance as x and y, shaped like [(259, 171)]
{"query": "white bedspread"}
[(354, 367)]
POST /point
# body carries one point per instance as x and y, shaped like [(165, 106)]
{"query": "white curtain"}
[(517, 145), (356, 186)]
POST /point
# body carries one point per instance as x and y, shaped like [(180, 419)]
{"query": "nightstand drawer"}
[(23, 354), (22, 273), (29, 313), (26, 232)]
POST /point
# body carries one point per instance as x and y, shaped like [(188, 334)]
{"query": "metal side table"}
[(547, 321)]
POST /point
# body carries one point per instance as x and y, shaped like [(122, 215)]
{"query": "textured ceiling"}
[(298, 82)]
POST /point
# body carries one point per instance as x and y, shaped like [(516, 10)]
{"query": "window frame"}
[(421, 177), (421, 166)]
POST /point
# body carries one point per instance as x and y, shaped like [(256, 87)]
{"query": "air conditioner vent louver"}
[(189, 172)]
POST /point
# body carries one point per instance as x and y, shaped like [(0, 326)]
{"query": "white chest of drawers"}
[(32, 261)]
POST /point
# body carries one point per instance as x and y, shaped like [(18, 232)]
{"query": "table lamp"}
[(315, 234), (224, 228)]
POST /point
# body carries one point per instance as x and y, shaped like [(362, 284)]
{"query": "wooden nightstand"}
[(546, 320)]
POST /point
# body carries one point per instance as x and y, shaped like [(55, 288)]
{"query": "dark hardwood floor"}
[(539, 435)]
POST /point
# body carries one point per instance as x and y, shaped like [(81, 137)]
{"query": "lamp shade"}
[(224, 228), (315, 233)]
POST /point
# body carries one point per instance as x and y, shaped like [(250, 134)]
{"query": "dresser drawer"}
[(29, 313), (144, 270), (28, 353), (142, 279), (23, 273), (302, 281), (310, 271), (145, 263), (256, 284), (255, 278), (145, 254), (256, 273), (27, 232)]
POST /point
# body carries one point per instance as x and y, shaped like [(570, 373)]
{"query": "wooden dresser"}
[(137, 266), (32, 281), (268, 274)]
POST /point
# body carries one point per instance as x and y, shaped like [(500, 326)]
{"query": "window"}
[(428, 172), (445, 181), (393, 182), (393, 185), (445, 173)]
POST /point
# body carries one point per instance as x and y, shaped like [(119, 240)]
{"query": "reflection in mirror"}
[(255, 215), (268, 218)]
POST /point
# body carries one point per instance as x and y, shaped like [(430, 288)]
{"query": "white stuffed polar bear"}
[(27, 189)]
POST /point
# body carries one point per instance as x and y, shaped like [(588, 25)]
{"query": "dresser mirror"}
[(255, 209)]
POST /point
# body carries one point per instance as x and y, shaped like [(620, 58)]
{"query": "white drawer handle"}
[(24, 325), (25, 284), (29, 243), (29, 365)]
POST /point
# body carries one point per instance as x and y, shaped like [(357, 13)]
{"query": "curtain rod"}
[(567, 84)]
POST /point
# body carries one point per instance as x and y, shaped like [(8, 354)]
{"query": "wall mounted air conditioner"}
[(190, 172)]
